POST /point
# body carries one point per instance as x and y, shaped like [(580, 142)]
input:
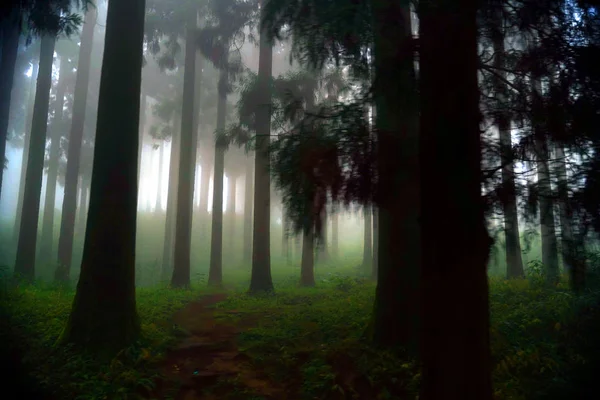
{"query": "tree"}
[(368, 238), (455, 323), (103, 317), (248, 197), (69, 206), (25, 262)]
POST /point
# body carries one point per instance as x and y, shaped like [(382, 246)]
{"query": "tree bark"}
[(103, 319), (215, 273), (10, 45), (307, 266), (69, 206), (187, 163), (47, 238), (248, 198), (167, 257), (261, 280), (25, 262), (455, 345), (396, 313)]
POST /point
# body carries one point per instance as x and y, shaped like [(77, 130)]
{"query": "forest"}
[(300, 199)]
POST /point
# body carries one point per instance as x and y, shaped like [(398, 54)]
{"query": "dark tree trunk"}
[(25, 262), (248, 198), (546, 202), (215, 273), (455, 345), (367, 238), (167, 260), (161, 160), (103, 319), (187, 164), (69, 206), (395, 315), (307, 266), (285, 237), (47, 238), (514, 262), (261, 280), (375, 243), (27, 133), (335, 235), (10, 44)]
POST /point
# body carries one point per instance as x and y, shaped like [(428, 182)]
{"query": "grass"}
[(310, 339)]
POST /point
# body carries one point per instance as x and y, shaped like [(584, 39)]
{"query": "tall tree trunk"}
[(187, 164), (335, 235), (375, 243), (455, 346), (167, 260), (514, 262), (25, 262), (215, 273), (395, 314), (83, 203), (248, 198), (161, 160), (47, 238), (261, 280), (231, 204), (69, 206), (546, 203), (367, 238), (10, 44), (103, 319), (285, 237), (307, 266), (27, 133)]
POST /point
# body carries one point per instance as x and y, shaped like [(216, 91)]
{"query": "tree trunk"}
[(248, 198), (83, 203), (261, 280), (307, 266), (514, 262), (231, 193), (546, 203), (10, 44), (455, 345), (47, 238), (215, 273), (27, 133), (167, 257), (187, 164), (69, 206), (375, 243), (335, 234), (25, 262), (322, 250), (285, 237), (103, 319), (161, 160), (368, 238), (395, 314)]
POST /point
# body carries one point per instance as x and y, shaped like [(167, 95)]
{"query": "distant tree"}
[(104, 318)]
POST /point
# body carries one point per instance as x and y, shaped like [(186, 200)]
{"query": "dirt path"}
[(207, 363)]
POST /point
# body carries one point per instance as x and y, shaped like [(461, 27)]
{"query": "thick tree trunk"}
[(215, 274), (335, 235), (161, 161), (261, 280), (514, 262), (103, 319), (375, 243), (25, 262), (395, 315), (167, 257), (10, 44), (187, 163), (546, 203), (367, 238), (27, 133), (69, 206), (307, 266), (47, 238), (248, 198), (455, 345)]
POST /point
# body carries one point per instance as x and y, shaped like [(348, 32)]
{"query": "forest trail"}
[(207, 364)]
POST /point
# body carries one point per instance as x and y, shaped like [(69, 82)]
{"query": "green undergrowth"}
[(311, 340)]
